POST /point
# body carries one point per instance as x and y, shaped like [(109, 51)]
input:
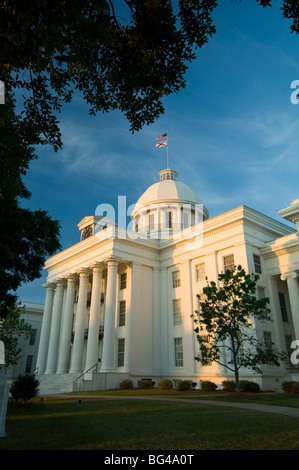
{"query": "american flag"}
[(162, 141)]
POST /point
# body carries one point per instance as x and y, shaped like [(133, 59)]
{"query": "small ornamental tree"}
[(225, 322), (25, 387)]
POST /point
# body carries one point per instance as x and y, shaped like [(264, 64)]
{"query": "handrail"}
[(85, 372)]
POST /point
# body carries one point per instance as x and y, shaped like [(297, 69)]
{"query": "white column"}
[(109, 325), (55, 327), (45, 331), (293, 289), (76, 361), (94, 318), (67, 320)]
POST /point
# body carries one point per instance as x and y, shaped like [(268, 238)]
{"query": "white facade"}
[(33, 315), (119, 303)]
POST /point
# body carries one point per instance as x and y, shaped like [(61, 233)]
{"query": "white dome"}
[(168, 191)]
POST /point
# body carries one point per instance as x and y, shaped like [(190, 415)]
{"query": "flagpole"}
[(167, 152)]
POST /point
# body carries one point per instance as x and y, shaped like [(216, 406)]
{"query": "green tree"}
[(122, 55), (12, 327), (225, 322), (26, 237)]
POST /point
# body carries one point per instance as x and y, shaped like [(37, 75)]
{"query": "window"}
[(121, 352), (169, 219), (283, 307), (29, 363), (122, 313), (257, 264), (176, 279), (123, 280), (267, 339), (229, 263), (261, 295), (177, 312), (178, 352), (88, 301), (152, 221), (32, 337), (200, 272), (186, 221)]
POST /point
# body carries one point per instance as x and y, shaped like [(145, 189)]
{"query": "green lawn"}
[(126, 424)]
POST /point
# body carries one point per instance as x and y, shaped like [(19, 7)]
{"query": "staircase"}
[(55, 383)]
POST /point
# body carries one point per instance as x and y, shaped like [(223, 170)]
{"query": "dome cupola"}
[(168, 205)]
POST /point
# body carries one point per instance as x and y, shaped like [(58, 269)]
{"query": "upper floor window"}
[(177, 312), (176, 279), (152, 221), (257, 264), (169, 219), (123, 280), (122, 313), (283, 307), (200, 272), (229, 262), (186, 220), (32, 337)]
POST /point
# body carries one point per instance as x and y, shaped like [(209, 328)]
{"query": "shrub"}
[(184, 385), (290, 387), (208, 386), (229, 385), (249, 386), (126, 384), (145, 383), (165, 384), (25, 387)]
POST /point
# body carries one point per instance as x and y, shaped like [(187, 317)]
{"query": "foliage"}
[(249, 386), (126, 384), (184, 385), (119, 55), (145, 383), (225, 322), (229, 385), (11, 328), (25, 387), (27, 237), (290, 386), (208, 386), (165, 384)]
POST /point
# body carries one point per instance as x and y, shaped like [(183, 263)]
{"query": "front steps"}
[(56, 383)]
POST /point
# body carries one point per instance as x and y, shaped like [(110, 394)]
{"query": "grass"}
[(128, 424)]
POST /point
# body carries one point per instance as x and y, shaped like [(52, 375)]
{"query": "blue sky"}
[(233, 133)]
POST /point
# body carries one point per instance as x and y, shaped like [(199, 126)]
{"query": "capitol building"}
[(118, 303)]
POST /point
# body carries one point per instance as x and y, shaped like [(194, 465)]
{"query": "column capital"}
[(71, 277), (290, 275), (97, 267), (113, 261), (49, 285), (60, 283), (83, 273)]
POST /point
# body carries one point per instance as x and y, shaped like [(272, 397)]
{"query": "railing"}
[(86, 371)]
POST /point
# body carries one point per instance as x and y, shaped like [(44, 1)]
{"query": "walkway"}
[(282, 410)]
